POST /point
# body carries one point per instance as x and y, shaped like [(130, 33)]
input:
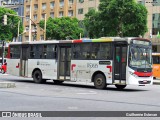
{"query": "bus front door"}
[(120, 62), (24, 61), (64, 63)]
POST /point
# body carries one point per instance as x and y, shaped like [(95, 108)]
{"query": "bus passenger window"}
[(93, 56), (11, 55)]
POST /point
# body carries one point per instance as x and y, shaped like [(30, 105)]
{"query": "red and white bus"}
[(105, 61)]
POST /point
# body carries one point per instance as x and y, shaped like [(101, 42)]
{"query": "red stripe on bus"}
[(73, 65), (17, 66), (110, 68), (143, 74)]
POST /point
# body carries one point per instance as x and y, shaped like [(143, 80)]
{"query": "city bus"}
[(156, 65), (104, 61)]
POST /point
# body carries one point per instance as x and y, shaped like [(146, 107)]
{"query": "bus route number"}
[(92, 65)]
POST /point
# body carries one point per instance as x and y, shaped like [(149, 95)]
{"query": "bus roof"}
[(103, 39)]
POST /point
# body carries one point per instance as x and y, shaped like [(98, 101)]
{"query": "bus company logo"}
[(6, 114)]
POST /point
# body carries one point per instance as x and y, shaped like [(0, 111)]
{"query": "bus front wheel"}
[(100, 81), (120, 87), (37, 77)]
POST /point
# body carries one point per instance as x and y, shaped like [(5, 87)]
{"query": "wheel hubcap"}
[(99, 81), (37, 76)]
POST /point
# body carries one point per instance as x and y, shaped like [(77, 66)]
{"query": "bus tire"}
[(37, 77), (120, 87), (100, 81), (58, 82)]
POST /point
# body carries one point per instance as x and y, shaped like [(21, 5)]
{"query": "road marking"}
[(73, 108), (42, 89), (89, 93)]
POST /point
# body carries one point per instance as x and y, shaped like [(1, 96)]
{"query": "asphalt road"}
[(28, 96)]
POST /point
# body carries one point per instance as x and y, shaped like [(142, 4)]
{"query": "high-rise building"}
[(153, 22), (83, 6), (53, 8), (50, 8)]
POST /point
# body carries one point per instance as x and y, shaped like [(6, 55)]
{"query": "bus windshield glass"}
[(140, 56)]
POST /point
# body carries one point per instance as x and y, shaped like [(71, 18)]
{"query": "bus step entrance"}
[(64, 77), (122, 82)]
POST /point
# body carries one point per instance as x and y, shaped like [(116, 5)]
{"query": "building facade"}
[(83, 6), (40, 9), (153, 19), (53, 8)]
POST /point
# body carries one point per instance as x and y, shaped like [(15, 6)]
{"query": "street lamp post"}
[(45, 26), (30, 21)]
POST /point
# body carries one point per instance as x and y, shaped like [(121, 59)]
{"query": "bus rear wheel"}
[(120, 87), (100, 81), (37, 77)]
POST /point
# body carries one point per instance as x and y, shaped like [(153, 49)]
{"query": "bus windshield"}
[(140, 56)]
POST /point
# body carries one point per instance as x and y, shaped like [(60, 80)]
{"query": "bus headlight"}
[(132, 73)]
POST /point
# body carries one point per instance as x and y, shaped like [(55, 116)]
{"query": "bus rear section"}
[(156, 65), (13, 59)]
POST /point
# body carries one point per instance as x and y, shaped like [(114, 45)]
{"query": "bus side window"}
[(76, 51), (10, 55), (15, 52), (95, 50)]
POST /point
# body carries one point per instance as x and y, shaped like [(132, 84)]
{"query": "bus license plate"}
[(144, 81)]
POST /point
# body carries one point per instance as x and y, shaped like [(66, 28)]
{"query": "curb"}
[(155, 83), (7, 85)]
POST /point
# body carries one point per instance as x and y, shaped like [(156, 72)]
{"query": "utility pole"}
[(45, 26), (30, 22), (18, 30), (3, 51)]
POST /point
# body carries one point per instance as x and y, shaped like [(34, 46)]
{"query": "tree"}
[(120, 18), (9, 31), (62, 28), (93, 24)]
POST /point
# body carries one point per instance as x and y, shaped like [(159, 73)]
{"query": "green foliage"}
[(93, 24), (62, 28), (9, 31), (117, 18)]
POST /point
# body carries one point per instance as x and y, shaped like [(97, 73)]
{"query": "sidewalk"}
[(156, 81), (7, 85)]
